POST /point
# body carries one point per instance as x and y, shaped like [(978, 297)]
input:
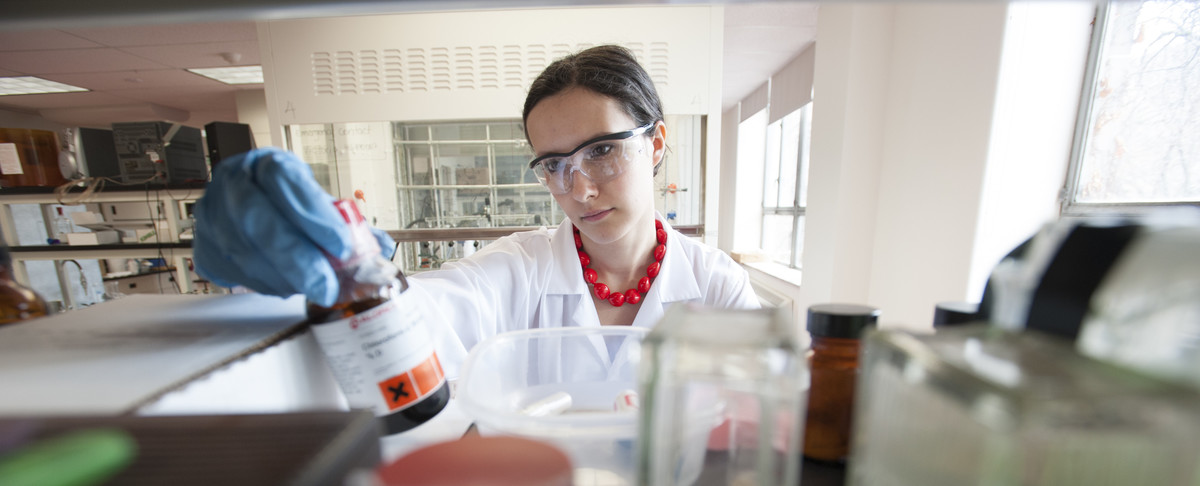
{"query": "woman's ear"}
[(659, 140)]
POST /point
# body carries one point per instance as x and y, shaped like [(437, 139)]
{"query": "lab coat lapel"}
[(676, 282), (565, 285), (567, 295)]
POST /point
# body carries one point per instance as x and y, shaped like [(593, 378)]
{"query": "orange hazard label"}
[(405, 388)]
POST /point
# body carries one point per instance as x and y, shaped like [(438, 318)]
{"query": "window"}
[(458, 176), (463, 175), (1136, 142), (785, 193)]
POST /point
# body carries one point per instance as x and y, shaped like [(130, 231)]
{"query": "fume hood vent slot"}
[(459, 68)]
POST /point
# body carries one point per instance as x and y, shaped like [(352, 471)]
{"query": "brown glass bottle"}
[(376, 343), (835, 331), (17, 302)]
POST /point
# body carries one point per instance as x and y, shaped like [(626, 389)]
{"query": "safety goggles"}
[(601, 159)]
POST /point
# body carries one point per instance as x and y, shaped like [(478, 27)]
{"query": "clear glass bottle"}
[(61, 226), (375, 340), (17, 302)]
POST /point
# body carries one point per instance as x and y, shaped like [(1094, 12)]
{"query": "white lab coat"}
[(511, 284)]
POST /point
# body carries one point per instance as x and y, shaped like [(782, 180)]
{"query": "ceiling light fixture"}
[(232, 75), (24, 85)]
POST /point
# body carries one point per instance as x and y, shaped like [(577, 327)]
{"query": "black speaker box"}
[(226, 140)]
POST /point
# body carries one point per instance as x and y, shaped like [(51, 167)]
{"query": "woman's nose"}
[(582, 187)]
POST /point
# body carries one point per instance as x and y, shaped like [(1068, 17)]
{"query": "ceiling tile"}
[(221, 97), (164, 34), (41, 39), (73, 61), (207, 54)]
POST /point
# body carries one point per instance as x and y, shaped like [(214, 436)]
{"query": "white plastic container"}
[(507, 373)]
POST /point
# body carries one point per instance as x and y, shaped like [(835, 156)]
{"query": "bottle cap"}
[(362, 241), (953, 313), (841, 320)]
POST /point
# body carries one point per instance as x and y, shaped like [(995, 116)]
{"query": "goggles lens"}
[(601, 159)]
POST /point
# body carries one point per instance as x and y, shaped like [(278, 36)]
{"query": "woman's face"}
[(611, 210)]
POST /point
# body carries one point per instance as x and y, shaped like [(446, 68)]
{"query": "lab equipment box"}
[(159, 152)]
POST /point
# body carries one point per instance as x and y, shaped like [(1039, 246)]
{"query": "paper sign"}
[(10, 160)]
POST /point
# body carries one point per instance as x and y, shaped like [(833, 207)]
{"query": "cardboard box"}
[(94, 238)]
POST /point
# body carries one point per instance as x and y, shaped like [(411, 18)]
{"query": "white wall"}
[(1045, 49), (722, 232), (940, 139), (850, 84), (252, 110), (13, 119)]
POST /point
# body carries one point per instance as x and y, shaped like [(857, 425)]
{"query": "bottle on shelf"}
[(61, 226), (375, 339), (17, 302)]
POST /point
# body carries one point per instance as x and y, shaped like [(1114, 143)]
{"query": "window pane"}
[(506, 131), (524, 207), (460, 131), (777, 237), (771, 163), (805, 143), (789, 156), (1142, 144), (512, 164), (418, 208), (415, 132), (414, 161), (798, 250)]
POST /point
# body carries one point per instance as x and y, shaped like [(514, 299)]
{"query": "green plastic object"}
[(78, 458)]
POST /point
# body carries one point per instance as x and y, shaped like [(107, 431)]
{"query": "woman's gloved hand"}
[(265, 223)]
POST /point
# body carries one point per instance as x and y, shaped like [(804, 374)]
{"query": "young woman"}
[(595, 122)]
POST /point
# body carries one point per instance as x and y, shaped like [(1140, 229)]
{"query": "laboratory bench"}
[(237, 375)]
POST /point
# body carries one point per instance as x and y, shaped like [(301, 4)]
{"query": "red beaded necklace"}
[(631, 296)]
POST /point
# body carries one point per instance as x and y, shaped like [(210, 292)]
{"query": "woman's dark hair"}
[(608, 70)]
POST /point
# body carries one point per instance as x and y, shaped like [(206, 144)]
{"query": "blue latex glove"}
[(265, 223)]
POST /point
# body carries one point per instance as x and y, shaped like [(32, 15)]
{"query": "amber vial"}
[(835, 331)]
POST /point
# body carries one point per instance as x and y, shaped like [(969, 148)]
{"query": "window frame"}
[(1068, 206)]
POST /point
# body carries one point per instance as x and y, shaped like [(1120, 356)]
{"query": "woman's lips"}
[(595, 215)]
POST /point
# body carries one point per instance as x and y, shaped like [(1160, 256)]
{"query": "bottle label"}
[(382, 358)]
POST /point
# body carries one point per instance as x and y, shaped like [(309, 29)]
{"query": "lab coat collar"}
[(675, 281)]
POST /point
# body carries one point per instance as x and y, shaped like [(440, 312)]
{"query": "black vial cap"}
[(841, 320), (955, 313)]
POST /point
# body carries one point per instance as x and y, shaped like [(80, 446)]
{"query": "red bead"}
[(601, 290), (662, 235), (589, 276), (659, 252), (652, 270), (644, 285), (616, 299), (632, 296), (584, 259), (578, 241), (657, 224)]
